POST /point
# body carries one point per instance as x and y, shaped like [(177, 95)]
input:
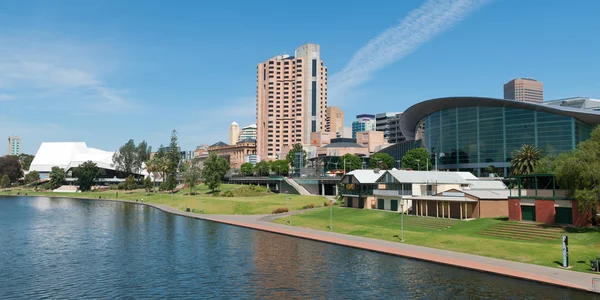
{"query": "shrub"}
[(326, 203), (280, 210), (308, 206), (164, 186), (227, 194)]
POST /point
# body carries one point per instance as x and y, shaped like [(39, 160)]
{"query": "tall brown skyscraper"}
[(524, 89), (291, 98), (334, 120)]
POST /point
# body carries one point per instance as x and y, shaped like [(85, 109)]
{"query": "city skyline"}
[(64, 65)]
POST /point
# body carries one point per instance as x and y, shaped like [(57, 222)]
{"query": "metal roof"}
[(417, 112), (366, 176), (405, 176)]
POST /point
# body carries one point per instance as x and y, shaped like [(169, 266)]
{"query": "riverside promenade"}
[(554, 276)]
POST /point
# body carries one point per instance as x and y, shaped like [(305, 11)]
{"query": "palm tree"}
[(525, 160)]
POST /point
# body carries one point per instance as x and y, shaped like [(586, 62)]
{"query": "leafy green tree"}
[(130, 183), (191, 177), (525, 160), (129, 158), (11, 166), (381, 161), (350, 162), (262, 168), (31, 177), (86, 174), (545, 165), (215, 168), (280, 167), (26, 160), (143, 152), (247, 169), (416, 159), (148, 184), (57, 177), (577, 171), (5, 181), (291, 156)]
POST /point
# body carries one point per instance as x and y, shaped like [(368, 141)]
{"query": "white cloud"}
[(49, 68), (418, 27), (5, 97)]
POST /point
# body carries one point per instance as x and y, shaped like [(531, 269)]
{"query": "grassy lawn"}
[(202, 201), (459, 236)]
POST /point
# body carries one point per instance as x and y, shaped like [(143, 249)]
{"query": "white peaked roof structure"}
[(70, 155)]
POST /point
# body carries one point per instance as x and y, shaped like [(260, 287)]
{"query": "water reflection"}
[(65, 248)]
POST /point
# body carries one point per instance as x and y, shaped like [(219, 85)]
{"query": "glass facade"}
[(472, 138)]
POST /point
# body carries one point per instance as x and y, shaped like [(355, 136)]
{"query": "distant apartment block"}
[(247, 133), (524, 89), (364, 122), (14, 145), (291, 100), (389, 124), (334, 120)]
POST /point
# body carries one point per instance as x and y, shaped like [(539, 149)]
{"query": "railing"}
[(392, 192)]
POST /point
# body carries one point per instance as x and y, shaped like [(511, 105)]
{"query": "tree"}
[(247, 169), (381, 161), (577, 171), (291, 156), (525, 160), (191, 177), (143, 152), (545, 165), (130, 183), (280, 167), (350, 162), (262, 168), (129, 158), (148, 184), (215, 168), (57, 177), (32, 176), (26, 160), (5, 181), (11, 166), (86, 174), (172, 162), (416, 159)]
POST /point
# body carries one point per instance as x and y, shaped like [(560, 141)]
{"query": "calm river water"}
[(76, 249)]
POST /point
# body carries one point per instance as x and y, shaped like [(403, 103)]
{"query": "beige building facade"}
[(234, 133), (334, 121), (524, 89), (291, 99), (234, 153)]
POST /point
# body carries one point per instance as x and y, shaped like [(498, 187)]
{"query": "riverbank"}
[(548, 275), (202, 201)]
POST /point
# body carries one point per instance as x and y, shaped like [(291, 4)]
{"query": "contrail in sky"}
[(418, 27)]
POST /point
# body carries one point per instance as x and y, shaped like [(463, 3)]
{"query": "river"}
[(80, 249)]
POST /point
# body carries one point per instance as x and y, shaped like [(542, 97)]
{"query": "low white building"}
[(69, 155)]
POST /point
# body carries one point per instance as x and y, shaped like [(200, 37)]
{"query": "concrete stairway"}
[(296, 186), (66, 189)]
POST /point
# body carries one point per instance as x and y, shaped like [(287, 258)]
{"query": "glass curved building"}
[(472, 133)]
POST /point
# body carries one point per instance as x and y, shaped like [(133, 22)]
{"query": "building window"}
[(314, 67)]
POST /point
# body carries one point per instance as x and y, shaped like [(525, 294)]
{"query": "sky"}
[(104, 72)]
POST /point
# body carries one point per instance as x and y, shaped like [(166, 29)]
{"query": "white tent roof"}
[(366, 176), (432, 177), (70, 155)]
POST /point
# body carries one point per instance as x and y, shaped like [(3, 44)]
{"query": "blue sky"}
[(107, 71)]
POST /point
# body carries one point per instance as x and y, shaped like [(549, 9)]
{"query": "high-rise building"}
[(524, 89), (248, 133), (364, 122), (234, 133), (389, 123), (334, 120), (291, 98), (14, 145)]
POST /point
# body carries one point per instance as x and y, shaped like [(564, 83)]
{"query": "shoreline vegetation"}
[(229, 200), (491, 237)]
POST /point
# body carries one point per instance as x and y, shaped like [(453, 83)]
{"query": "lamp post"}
[(287, 200), (330, 215), (402, 221), (418, 164)]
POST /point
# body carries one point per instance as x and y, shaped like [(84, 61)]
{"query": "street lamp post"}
[(330, 215), (402, 221), (418, 164)]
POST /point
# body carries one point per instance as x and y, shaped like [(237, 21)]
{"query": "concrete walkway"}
[(548, 275)]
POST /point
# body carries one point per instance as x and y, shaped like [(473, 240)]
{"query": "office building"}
[(364, 122), (472, 133), (291, 100), (334, 120), (247, 133), (235, 154), (14, 145), (234, 132), (389, 124), (524, 89)]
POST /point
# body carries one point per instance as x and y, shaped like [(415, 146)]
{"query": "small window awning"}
[(441, 198)]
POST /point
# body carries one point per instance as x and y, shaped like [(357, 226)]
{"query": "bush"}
[(280, 210), (227, 194), (308, 206), (164, 186)]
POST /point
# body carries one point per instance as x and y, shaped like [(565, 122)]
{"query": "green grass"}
[(202, 201), (459, 236)]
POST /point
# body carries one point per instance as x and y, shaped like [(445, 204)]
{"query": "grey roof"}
[(219, 144), (343, 145), (248, 141), (366, 176), (406, 176), (487, 184), (489, 194), (417, 112), (442, 198)]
